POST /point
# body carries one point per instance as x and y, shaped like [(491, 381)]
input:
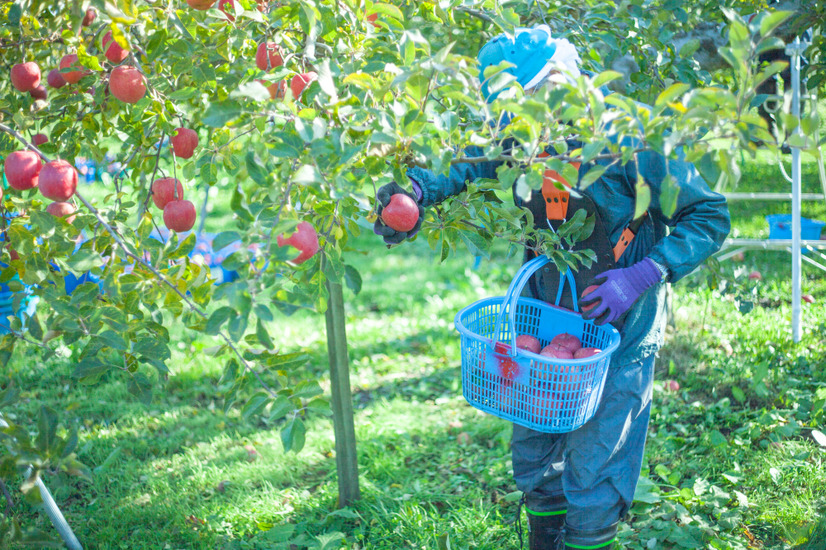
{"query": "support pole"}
[(52, 510), (342, 400), (796, 188)]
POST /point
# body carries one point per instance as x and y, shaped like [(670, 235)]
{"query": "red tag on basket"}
[(500, 363)]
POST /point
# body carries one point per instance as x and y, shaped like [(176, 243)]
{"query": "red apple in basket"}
[(584, 353), (507, 367), (556, 351), (543, 405), (528, 343), (567, 341), (584, 296)]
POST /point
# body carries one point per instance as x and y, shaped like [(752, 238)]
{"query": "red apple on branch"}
[(22, 169), (179, 215), (401, 213), (300, 82), (39, 92), (55, 79), (39, 139), (164, 191), (112, 50), (62, 210), (202, 5), (58, 180), (227, 7), (277, 90), (305, 239), (89, 17), (25, 77), (755, 276), (127, 84), (184, 142), (268, 56), (70, 62)]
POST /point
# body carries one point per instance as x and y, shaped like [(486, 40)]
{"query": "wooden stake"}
[(342, 401)]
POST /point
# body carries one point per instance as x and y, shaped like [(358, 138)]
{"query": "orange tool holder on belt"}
[(557, 201)]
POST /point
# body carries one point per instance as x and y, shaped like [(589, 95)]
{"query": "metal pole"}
[(342, 399), (52, 510), (796, 221)]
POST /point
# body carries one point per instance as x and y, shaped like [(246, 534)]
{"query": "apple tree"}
[(294, 113)]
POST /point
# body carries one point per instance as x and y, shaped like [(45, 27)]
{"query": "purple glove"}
[(618, 290)]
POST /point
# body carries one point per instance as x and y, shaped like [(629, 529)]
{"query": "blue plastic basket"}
[(542, 393)]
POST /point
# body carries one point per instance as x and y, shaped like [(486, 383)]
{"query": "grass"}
[(731, 461)]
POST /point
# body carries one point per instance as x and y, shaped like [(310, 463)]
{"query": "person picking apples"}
[(577, 486)]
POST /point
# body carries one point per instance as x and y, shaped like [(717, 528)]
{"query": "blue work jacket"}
[(681, 242)]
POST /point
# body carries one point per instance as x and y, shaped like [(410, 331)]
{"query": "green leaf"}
[(280, 407), (352, 278), (306, 175), (773, 20), (183, 94), (263, 336), (253, 90), (293, 434), (46, 429), (14, 14), (643, 197), (218, 114), (256, 168), (671, 93), (475, 243), (255, 404), (140, 386), (592, 175), (605, 77), (286, 145), (224, 239), (669, 191), (218, 318), (646, 491), (8, 397), (84, 260), (738, 394), (717, 439)]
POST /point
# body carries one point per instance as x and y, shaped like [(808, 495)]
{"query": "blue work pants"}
[(591, 472)]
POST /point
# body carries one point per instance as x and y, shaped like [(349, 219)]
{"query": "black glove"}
[(391, 236)]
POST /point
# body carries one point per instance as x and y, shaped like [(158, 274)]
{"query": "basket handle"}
[(515, 290)]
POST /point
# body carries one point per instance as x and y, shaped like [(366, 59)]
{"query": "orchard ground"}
[(732, 460)]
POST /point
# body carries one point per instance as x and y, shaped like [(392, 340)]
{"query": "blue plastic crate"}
[(780, 227)]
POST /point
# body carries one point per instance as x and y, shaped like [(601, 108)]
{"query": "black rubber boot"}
[(592, 539), (545, 530)]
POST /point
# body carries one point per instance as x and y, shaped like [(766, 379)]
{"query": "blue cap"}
[(529, 51)]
